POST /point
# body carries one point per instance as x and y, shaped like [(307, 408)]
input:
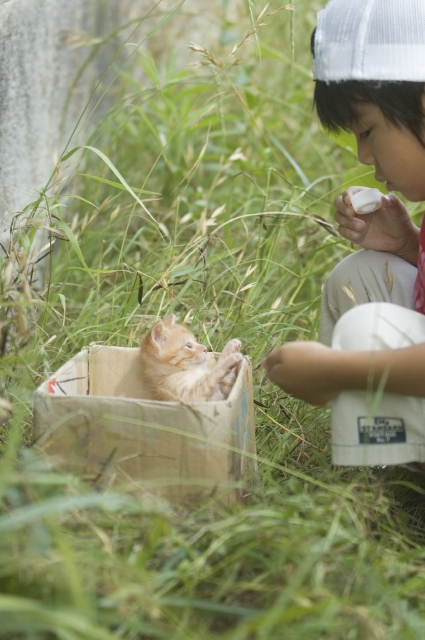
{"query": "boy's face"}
[(398, 157)]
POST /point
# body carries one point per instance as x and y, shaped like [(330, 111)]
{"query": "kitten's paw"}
[(230, 372), (231, 347), (233, 360)]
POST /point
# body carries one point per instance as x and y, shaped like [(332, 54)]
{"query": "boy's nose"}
[(364, 155)]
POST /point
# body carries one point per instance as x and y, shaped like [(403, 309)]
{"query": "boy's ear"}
[(170, 320), (159, 335)]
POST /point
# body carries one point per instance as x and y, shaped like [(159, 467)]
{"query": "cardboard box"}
[(93, 417)]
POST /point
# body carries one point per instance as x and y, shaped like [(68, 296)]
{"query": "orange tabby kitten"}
[(175, 365)]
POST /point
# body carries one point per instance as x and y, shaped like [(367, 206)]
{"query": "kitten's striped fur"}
[(175, 365)]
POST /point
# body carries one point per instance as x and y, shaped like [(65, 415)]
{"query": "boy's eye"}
[(365, 134)]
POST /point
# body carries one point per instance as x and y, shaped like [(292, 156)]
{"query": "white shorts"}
[(368, 305), (372, 428)]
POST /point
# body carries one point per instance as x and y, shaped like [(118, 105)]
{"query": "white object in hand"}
[(366, 201)]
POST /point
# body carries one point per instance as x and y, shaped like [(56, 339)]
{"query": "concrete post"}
[(43, 44)]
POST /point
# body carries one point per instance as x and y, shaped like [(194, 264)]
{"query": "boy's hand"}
[(390, 228), (306, 370)]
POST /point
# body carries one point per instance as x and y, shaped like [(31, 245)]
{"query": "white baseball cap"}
[(370, 40)]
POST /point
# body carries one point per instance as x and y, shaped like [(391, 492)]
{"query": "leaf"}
[(189, 175), (63, 302), (345, 140), (117, 185), (362, 176), (38, 223), (270, 52), (69, 154), (72, 195), (165, 19), (217, 212), (207, 605), (293, 162), (74, 243), (263, 12), (140, 289), (184, 271), (26, 616), (247, 286), (53, 507), (122, 180), (251, 269)]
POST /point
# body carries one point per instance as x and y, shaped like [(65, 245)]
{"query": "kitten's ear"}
[(170, 320), (158, 333)]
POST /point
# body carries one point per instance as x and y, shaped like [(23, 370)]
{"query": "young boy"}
[(369, 68)]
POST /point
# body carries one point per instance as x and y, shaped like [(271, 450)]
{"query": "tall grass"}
[(206, 191)]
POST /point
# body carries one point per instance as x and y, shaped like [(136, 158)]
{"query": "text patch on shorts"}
[(378, 430)]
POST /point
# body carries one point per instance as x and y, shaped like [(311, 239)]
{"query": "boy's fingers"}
[(268, 360), (272, 360), (357, 224), (391, 201), (340, 203), (344, 207), (387, 201), (350, 234)]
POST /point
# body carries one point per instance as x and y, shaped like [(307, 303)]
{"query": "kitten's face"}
[(175, 345)]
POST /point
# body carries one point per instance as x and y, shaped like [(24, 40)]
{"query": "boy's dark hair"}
[(400, 102)]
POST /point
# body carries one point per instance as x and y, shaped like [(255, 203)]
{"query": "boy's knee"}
[(346, 285), (354, 330), (352, 264), (371, 276)]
